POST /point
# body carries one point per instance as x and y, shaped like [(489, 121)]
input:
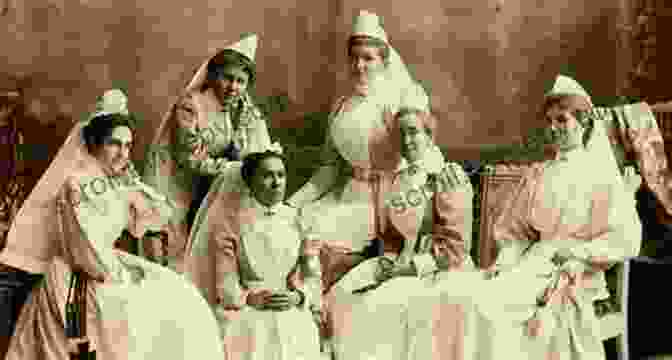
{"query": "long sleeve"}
[(619, 234), (230, 293), (83, 234), (452, 207), (257, 134), (327, 175), (149, 210), (307, 276), (511, 230)]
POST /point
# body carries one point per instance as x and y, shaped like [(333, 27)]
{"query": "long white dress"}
[(271, 252), (240, 246), (401, 319), (555, 210), (141, 311)]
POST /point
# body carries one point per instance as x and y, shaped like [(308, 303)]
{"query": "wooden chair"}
[(496, 184)]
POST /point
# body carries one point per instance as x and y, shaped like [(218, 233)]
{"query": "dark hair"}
[(228, 57), (427, 119), (383, 48), (252, 161), (100, 128)]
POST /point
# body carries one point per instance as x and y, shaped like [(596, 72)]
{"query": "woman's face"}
[(366, 63), (565, 129), (414, 139), (115, 151), (269, 181), (231, 83)]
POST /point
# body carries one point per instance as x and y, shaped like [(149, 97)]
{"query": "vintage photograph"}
[(335, 180)]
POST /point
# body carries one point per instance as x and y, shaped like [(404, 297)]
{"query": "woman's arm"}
[(229, 293), (256, 130), (618, 232), (83, 237), (327, 175), (191, 151), (150, 210), (452, 205)]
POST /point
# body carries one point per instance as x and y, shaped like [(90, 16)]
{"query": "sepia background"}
[(486, 63)]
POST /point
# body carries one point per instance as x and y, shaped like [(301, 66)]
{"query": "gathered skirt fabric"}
[(160, 316)]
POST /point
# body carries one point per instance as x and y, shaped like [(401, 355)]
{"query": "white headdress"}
[(30, 241), (247, 46), (564, 85), (368, 24), (111, 102)]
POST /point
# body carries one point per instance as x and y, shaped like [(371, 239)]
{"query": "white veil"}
[(409, 92), (30, 242)]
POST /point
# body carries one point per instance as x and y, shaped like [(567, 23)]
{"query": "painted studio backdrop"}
[(484, 62)]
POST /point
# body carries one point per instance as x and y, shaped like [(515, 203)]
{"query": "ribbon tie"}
[(563, 290)]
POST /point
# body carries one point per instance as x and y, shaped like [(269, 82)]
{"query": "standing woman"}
[(212, 123), (361, 150), (80, 206)]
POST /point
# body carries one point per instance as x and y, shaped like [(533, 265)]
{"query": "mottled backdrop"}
[(485, 62)]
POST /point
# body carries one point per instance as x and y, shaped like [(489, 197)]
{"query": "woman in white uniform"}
[(134, 309)]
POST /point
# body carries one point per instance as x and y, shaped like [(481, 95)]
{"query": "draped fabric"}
[(403, 318), (238, 247), (131, 302), (555, 210), (187, 153)]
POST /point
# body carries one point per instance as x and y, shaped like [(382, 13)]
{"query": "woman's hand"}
[(389, 271), (492, 271), (258, 299), (385, 267), (600, 263), (561, 256), (282, 300)]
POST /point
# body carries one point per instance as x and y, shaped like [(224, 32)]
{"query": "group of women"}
[(368, 260)]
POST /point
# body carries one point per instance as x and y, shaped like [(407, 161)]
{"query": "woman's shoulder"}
[(73, 187), (77, 177)]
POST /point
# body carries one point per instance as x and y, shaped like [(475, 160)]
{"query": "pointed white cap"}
[(246, 46), (564, 85), (368, 24), (112, 102)]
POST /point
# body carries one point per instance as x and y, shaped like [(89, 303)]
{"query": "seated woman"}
[(428, 209), (361, 150), (565, 223), (66, 230), (255, 264), (213, 123)]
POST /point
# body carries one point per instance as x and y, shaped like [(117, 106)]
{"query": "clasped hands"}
[(387, 269), (275, 300)]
